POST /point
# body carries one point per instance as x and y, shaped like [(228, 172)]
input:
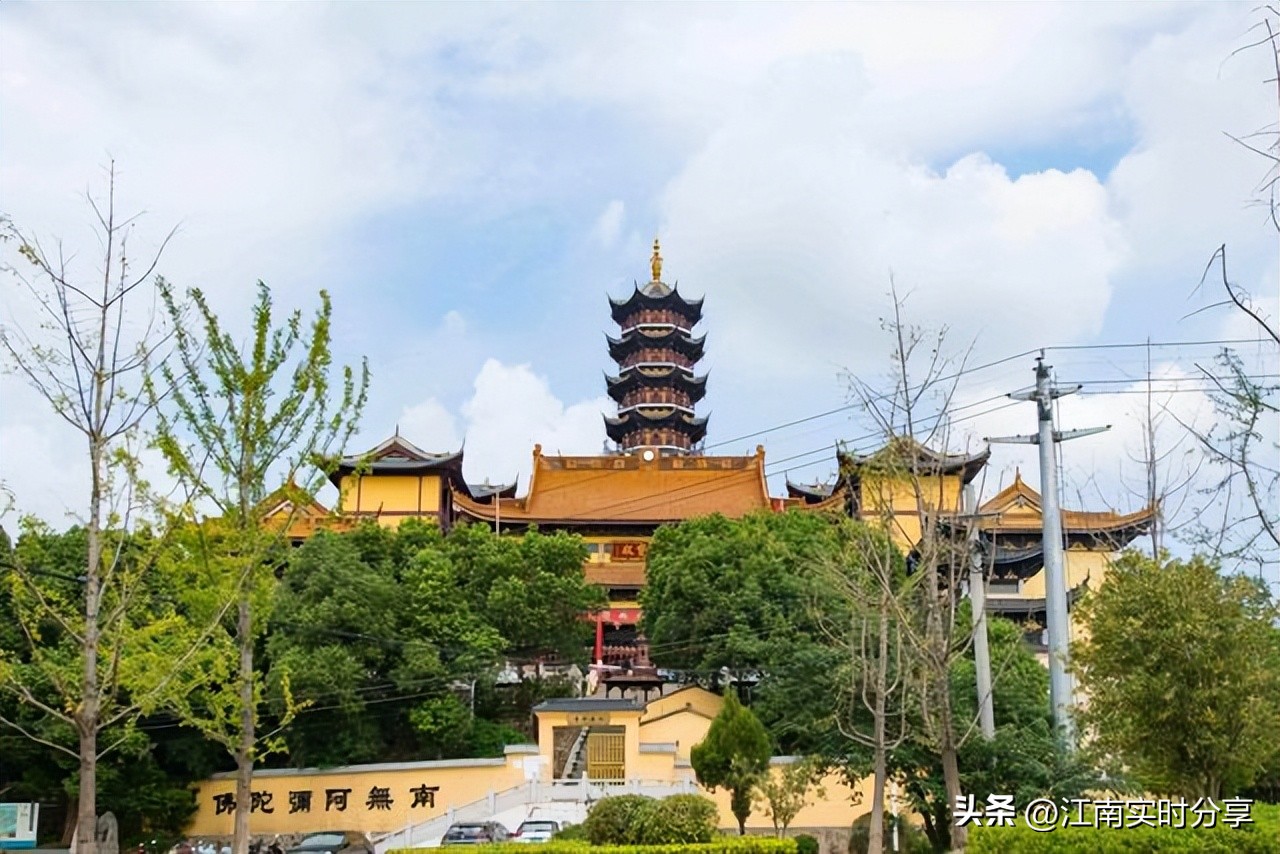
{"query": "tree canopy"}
[(1182, 668), (734, 755)]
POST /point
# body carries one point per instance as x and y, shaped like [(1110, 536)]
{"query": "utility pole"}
[(1055, 576), (978, 598)]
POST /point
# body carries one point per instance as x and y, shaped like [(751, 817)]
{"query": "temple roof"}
[(1017, 509), (673, 419), (588, 704), (651, 297), (286, 498), (670, 339), (904, 450), (810, 492), (677, 378), (1018, 561), (398, 456), (485, 491), (630, 490)]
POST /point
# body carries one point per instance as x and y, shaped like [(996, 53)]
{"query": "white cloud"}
[(1184, 188), (795, 236), (609, 226), (795, 155), (430, 426), (510, 410)]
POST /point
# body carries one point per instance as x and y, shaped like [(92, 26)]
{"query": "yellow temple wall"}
[(657, 767), (456, 783), (397, 494), (701, 701), (839, 805), (684, 730), (459, 782), (880, 495)]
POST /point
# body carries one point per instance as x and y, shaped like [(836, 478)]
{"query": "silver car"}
[(537, 830)]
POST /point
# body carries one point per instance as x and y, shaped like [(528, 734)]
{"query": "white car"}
[(536, 830)]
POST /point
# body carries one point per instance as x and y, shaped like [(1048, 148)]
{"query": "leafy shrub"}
[(675, 819), (612, 820), (571, 833), (911, 839), (806, 844), (1260, 837)]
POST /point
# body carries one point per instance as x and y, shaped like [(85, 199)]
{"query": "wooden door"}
[(606, 752)]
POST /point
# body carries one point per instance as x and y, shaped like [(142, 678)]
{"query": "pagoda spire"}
[(656, 388)]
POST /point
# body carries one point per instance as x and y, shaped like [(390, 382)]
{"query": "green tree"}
[(738, 594), (87, 356), (783, 795), (530, 589), (863, 618), (1182, 669), (392, 639), (336, 633), (734, 755), (731, 592), (1024, 758), (241, 417), (132, 780)]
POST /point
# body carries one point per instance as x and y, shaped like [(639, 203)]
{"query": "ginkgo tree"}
[(85, 347), (241, 419)]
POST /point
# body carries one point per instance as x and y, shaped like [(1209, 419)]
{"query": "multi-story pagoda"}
[(656, 388)]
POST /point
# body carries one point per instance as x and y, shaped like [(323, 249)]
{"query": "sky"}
[(471, 181)]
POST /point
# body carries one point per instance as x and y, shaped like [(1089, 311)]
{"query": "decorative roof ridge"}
[(1079, 521), (944, 461), (409, 451), (638, 290), (1019, 488)]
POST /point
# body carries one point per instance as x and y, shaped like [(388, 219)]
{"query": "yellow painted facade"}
[(392, 496), (378, 798), (387, 798), (897, 499)]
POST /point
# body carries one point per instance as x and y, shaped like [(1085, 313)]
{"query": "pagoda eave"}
[(622, 309), (620, 386), (675, 341)]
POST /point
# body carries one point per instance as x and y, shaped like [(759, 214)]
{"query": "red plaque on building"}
[(630, 550)]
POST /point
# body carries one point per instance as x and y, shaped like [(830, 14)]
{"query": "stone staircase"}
[(576, 766)]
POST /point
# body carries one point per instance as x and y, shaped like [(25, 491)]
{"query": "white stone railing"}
[(428, 833)]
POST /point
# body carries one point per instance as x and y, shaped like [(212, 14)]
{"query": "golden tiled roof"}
[(1018, 507), (299, 521), (631, 489)]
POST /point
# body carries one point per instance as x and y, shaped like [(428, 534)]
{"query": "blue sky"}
[(470, 181)]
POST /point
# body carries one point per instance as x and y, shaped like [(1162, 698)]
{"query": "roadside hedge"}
[(722, 845), (676, 820), (613, 821), (1260, 837)]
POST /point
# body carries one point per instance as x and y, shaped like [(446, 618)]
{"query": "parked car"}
[(537, 830), (334, 842), (475, 833)]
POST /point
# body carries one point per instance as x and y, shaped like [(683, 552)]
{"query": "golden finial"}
[(656, 262)]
